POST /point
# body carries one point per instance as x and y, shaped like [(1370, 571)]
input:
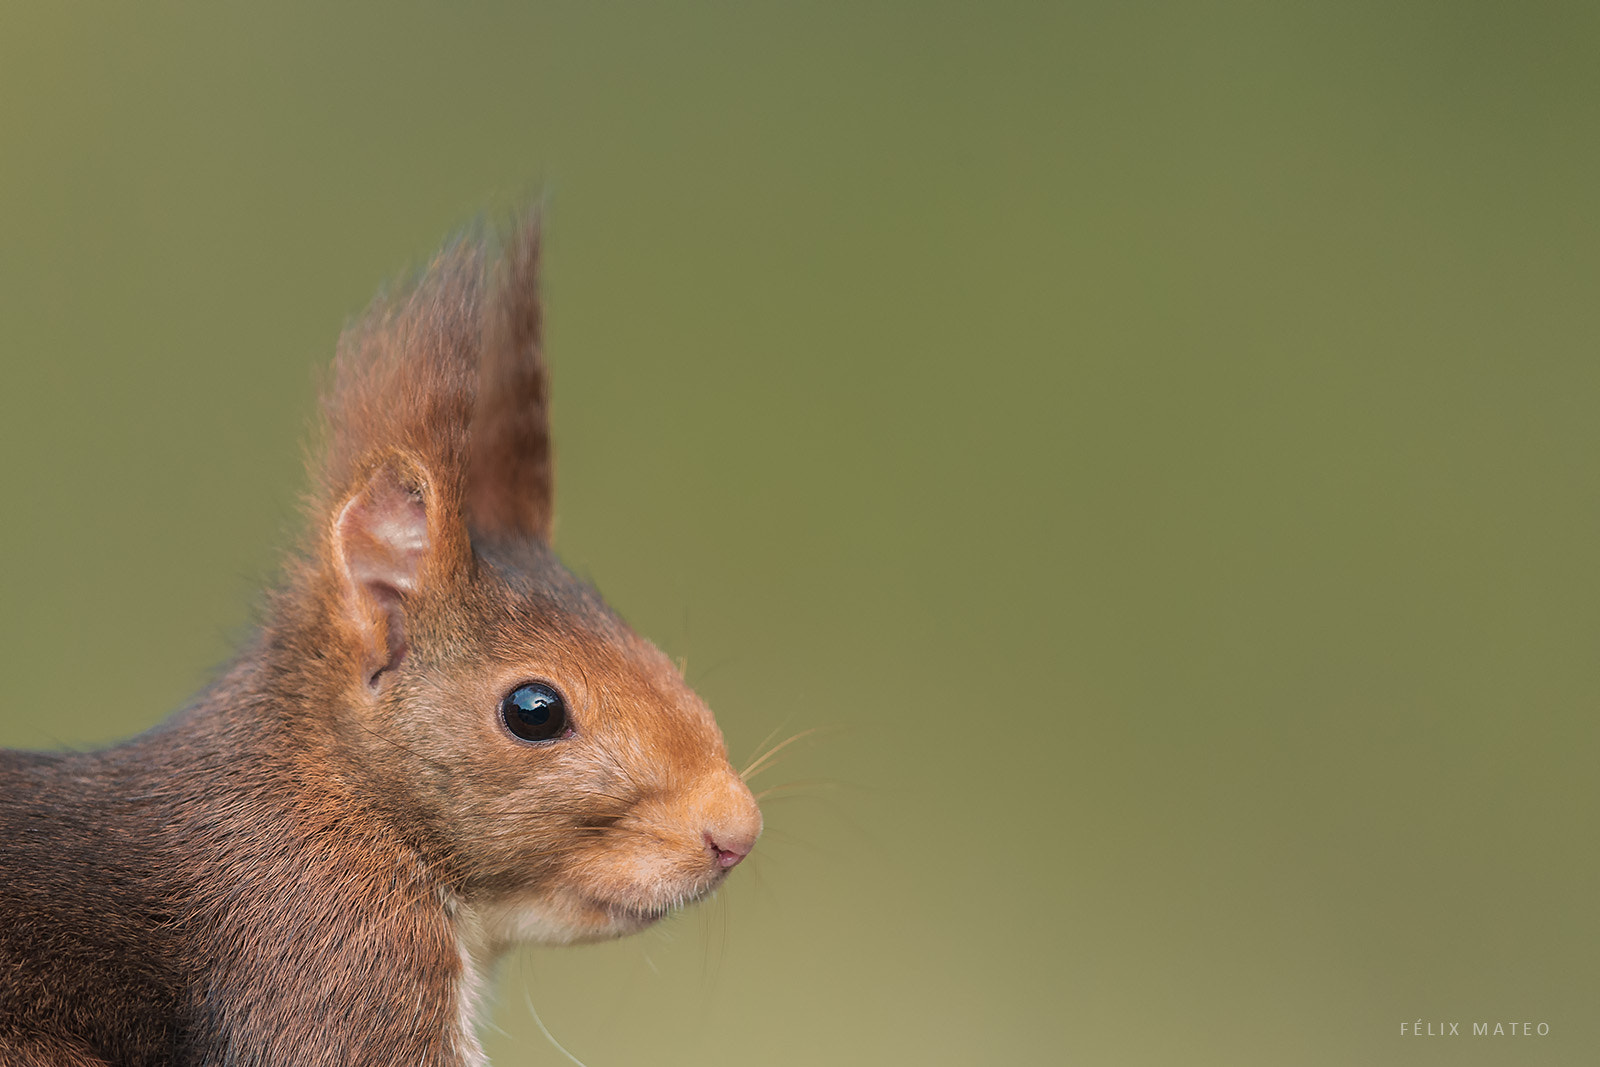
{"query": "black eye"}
[(534, 712)]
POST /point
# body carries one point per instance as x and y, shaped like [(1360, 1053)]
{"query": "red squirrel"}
[(438, 744)]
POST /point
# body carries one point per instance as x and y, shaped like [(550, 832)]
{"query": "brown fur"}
[(310, 864)]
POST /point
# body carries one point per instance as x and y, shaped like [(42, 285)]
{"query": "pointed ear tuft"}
[(405, 380), (384, 547), (388, 513), (510, 474)]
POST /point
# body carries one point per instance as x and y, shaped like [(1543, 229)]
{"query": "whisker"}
[(528, 1000), (403, 748), (776, 730), (602, 831), (766, 758)]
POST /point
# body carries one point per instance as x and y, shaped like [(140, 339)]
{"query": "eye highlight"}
[(534, 711)]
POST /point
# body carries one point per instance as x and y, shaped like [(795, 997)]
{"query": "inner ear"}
[(381, 544)]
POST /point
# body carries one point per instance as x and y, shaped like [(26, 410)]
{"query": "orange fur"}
[(311, 864)]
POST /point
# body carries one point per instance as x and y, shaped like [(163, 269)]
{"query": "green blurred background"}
[(1157, 440)]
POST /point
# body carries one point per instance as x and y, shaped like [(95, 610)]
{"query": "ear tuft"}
[(510, 481), (405, 380), (388, 512), (437, 429)]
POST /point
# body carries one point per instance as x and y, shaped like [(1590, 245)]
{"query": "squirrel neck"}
[(257, 877)]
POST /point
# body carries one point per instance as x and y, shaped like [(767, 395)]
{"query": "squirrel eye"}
[(534, 711)]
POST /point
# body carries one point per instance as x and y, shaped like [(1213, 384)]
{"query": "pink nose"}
[(730, 848)]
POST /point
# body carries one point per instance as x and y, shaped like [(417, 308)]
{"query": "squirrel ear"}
[(510, 475), (382, 549)]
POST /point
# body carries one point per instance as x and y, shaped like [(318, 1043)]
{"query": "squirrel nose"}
[(732, 820), (729, 847)]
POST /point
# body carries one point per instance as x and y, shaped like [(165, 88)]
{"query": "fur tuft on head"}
[(447, 376), (511, 484), (436, 431), (405, 381)]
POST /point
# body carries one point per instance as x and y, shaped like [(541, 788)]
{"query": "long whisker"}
[(766, 758), (597, 831), (776, 730), (545, 1031), (403, 748)]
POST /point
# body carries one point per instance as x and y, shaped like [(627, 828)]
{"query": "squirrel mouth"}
[(638, 915)]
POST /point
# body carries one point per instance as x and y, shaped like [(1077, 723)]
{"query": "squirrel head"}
[(483, 702)]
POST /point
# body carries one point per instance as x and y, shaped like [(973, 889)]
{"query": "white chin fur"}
[(488, 930), (485, 932)]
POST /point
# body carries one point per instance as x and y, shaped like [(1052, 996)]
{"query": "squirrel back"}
[(440, 743)]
